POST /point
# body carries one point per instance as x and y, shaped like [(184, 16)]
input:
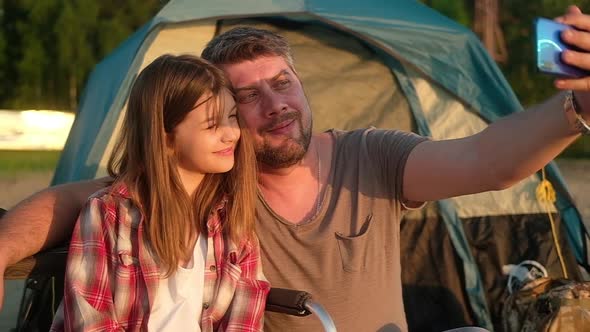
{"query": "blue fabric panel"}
[(99, 94), (473, 281)]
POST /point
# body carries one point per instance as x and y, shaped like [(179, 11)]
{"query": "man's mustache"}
[(281, 118)]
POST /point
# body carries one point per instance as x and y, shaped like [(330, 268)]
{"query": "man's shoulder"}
[(341, 132), (367, 134), (340, 135)]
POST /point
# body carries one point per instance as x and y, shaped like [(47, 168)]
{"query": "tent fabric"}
[(497, 241), (435, 299), (381, 63)]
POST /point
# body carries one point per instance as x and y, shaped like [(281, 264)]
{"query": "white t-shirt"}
[(179, 300)]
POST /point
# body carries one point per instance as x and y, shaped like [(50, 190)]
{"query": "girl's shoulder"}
[(113, 195), (116, 205), (116, 191)]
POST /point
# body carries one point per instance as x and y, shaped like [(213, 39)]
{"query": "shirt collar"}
[(216, 216)]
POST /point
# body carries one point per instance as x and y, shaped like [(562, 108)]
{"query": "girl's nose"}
[(230, 132)]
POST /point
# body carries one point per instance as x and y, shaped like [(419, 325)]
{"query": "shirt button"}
[(212, 268), (205, 305)]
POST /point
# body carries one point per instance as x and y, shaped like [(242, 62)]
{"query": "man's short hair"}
[(246, 43)]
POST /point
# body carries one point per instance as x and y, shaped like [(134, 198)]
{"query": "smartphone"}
[(549, 47)]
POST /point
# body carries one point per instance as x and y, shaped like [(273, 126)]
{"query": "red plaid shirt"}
[(112, 278)]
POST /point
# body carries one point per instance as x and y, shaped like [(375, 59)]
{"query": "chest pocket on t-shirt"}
[(353, 248)]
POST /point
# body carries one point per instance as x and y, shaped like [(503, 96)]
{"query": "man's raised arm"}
[(42, 221), (512, 148), (504, 153)]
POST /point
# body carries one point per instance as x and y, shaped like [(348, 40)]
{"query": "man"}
[(330, 204)]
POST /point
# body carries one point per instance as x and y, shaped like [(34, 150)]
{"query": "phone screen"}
[(549, 47)]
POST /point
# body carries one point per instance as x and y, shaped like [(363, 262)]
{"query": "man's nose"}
[(274, 104)]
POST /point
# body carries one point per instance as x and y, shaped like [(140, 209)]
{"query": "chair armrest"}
[(46, 263), (287, 301)]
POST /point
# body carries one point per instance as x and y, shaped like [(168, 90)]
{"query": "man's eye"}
[(283, 84)]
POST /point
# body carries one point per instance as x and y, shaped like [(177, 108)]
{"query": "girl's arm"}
[(88, 299)]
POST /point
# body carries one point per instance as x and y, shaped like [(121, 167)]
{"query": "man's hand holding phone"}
[(579, 55), (550, 46)]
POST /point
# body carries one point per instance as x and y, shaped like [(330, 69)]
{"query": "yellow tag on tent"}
[(545, 192)]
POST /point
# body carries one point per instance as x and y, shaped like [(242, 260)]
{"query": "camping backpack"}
[(548, 305)]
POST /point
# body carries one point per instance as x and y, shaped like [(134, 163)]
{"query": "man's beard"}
[(291, 151)]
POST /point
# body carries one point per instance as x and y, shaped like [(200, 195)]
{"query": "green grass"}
[(14, 162)]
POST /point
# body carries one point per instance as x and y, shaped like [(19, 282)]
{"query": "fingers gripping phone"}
[(549, 47)]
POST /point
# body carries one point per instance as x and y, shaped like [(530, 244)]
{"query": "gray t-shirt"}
[(348, 256)]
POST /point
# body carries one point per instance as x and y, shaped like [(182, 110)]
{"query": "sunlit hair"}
[(246, 43), (161, 97)]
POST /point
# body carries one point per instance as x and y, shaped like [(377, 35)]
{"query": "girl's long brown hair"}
[(161, 97)]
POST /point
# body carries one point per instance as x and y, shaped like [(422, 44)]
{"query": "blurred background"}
[(49, 47), (47, 50)]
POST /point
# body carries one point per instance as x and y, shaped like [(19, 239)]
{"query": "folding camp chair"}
[(44, 274)]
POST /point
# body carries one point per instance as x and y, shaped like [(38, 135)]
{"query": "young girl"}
[(170, 246)]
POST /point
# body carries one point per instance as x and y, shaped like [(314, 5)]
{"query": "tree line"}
[(49, 47), (516, 21)]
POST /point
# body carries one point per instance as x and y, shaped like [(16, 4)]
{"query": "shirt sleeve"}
[(88, 299), (389, 151), (249, 302)]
